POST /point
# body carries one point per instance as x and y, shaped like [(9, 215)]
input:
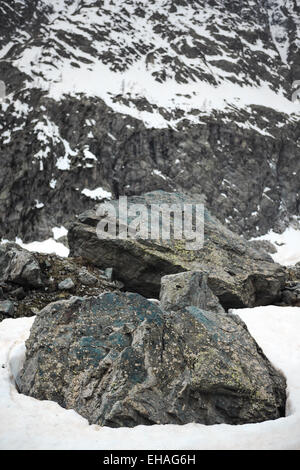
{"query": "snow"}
[(159, 173), (53, 183), (287, 245), (46, 130), (63, 163), (39, 205), (21, 109), (249, 125), (88, 154), (59, 232), (42, 153), (100, 81), (48, 134), (26, 423), (279, 31), (97, 193), (111, 31), (47, 247), (7, 137), (111, 136)]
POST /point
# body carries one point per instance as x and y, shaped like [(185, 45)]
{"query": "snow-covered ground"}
[(26, 423), (287, 245)]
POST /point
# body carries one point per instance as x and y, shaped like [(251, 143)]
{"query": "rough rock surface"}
[(188, 289), (6, 308), (291, 296), (24, 294), (66, 284), (291, 291), (86, 278), (238, 275), (294, 272), (263, 245), (19, 266), (118, 360)]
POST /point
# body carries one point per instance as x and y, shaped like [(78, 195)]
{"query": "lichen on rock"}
[(119, 360)]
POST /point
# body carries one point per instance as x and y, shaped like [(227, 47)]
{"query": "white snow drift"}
[(287, 245)]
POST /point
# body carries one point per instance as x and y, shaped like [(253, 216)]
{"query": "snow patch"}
[(98, 193), (59, 232), (47, 247), (39, 205), (287, 244)]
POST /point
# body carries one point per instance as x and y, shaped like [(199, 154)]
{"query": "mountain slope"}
[(132, 96)]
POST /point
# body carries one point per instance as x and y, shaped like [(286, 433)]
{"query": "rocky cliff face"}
[(131, 96)]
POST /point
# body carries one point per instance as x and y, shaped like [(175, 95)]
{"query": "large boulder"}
[(118, 360), (239, 275)]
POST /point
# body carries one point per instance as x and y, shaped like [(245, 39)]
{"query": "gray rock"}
[(6, 308), (263, 245), (187, 289), (294, 273), (19, 266), (66, 284), (19, 293), (119, 284), (291, 294), (237, 274), (54, 270), (34, 310), (289, 297), (63, 240), (118, 360), (87, 279)]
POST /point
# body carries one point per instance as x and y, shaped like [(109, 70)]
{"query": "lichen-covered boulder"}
[(238, 275), (188, 289), (118, 360)]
